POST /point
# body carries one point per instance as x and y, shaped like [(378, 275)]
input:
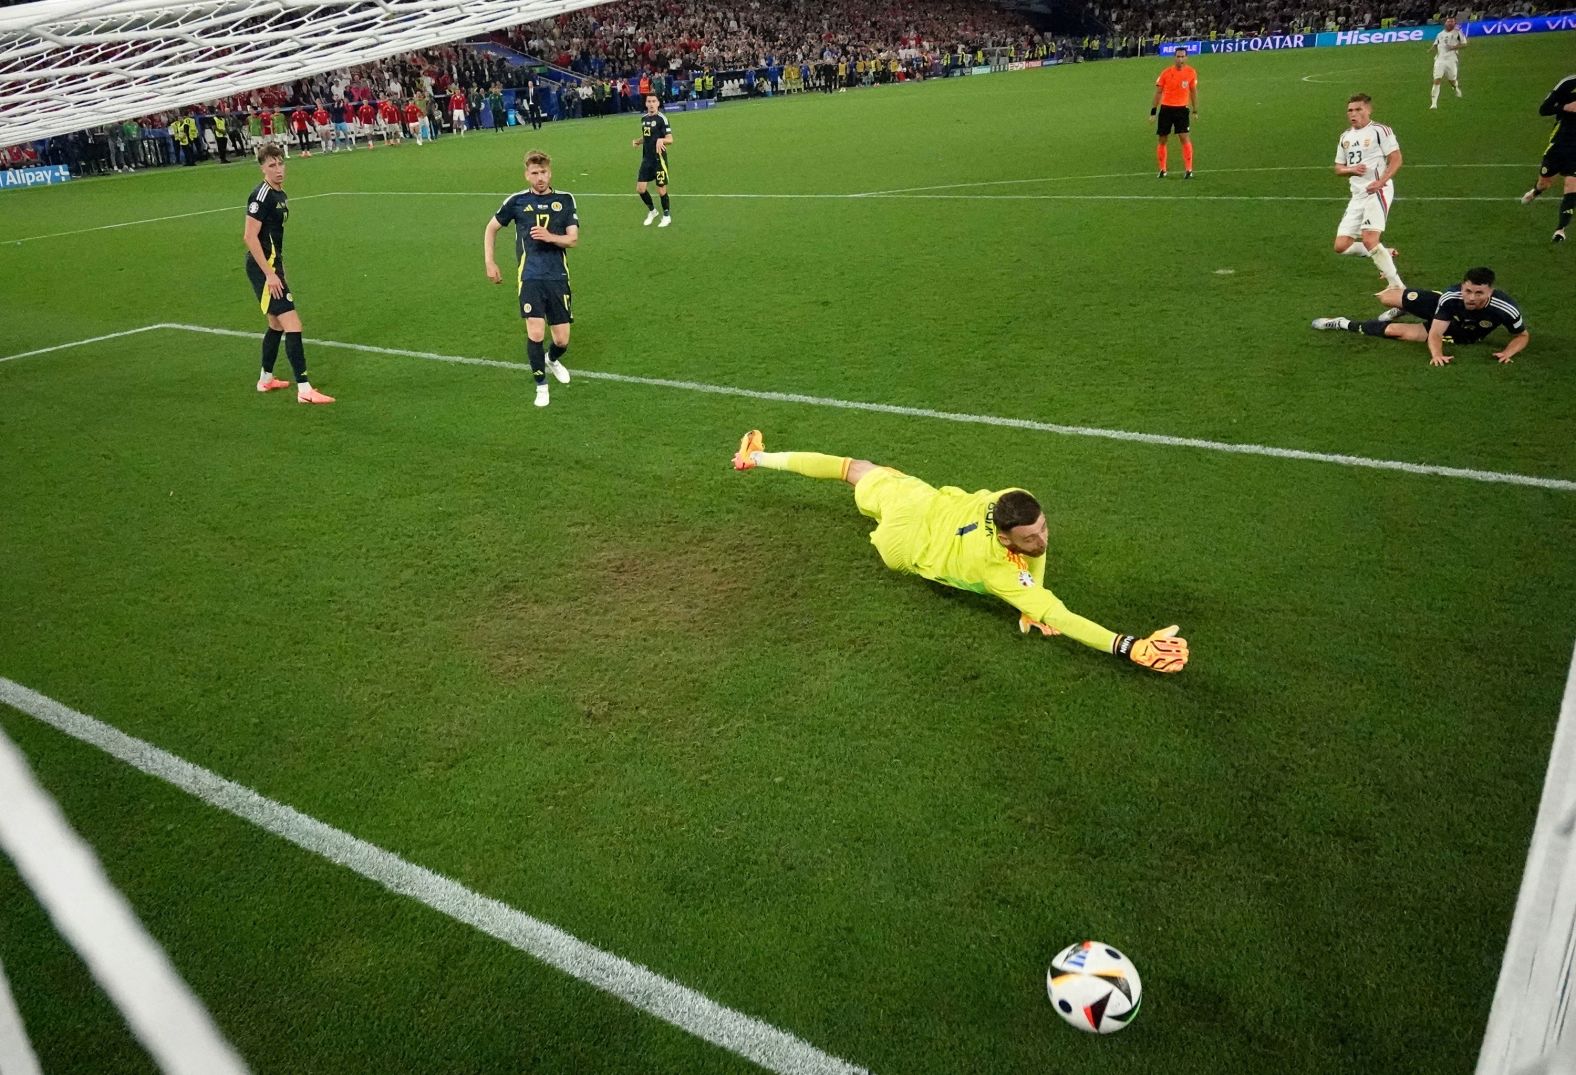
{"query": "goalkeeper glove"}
[(1024, 623), (1162, 651)]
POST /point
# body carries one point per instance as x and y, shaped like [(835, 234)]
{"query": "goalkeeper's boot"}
[(308, 394), (750, 442), (271, 384), (1325, 324)]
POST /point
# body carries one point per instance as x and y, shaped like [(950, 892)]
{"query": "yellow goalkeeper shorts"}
[(898, 502)]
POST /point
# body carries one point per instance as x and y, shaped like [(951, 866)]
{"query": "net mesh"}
[(66, 65)]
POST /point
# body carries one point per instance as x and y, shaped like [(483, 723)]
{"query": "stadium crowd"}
[(604, 59)]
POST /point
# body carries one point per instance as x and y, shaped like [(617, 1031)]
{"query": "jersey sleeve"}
[(1510, 315), (1026, 593), (1387, 142), (665, 127), (1340, 152), (1448, 308), (505, 214), (1557, 96), (571, 212), (258, 206)]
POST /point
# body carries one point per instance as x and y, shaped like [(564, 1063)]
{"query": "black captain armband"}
[(1123, 645), (1154, 111)]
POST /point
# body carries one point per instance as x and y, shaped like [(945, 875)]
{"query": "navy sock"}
[(1567, 210), (533, 353), (645, 196), (271, 340), (296, 354), (1372, 328), (664, 205), (556, 353)]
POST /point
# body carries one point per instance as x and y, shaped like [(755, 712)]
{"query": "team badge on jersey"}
[(1025, 579), (557, 206)]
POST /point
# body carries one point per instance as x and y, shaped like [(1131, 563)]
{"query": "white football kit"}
[(1368, 147), (1446, 63)]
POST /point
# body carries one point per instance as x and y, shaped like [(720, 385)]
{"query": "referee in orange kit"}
[(1176, 103)]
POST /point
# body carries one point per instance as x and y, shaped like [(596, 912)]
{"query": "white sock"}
[(1381, 257), (303, 386), (1433, 96), (1356, 250), (1457, 86)]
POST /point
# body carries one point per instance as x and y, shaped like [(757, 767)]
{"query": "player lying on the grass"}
[(986, 542), (1560, 159), (1466, 313)]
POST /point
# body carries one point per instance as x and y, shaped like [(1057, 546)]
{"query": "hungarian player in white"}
[(1447, 62), (1369, 154)]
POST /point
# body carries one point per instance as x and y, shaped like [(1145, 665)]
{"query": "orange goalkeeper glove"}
[(1024, 624), (1162, 651)]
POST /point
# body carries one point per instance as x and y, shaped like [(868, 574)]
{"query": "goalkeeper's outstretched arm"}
[(1161, 651)]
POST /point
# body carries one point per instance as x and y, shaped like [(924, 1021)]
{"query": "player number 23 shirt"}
[(1366, 146)]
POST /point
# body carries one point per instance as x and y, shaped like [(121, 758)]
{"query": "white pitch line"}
[(1429, 469), (16, 1052), (766, 1045), (236, 209), (978, 197), (1141, 175), (80, 343)]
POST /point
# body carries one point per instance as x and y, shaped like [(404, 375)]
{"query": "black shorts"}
[(265, 299), (547, 299), (1559, 160), (1420, 304), (654, 170), (1173, 119)]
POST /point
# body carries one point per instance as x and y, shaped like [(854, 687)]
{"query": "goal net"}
[(66, 65)]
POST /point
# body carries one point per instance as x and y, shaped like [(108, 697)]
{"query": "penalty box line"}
[(1159, 439), (766, 1045)]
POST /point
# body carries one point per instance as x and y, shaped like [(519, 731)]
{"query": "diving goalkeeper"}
[(987, 542)]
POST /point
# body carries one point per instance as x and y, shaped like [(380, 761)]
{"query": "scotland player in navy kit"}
[(656, 135), (546, 225), (1560, 158), (267, 209), (1465, 313)]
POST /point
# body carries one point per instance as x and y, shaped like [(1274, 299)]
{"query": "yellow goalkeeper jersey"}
[(949, 536)]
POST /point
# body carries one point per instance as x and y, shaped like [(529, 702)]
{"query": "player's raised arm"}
[(488, 241)]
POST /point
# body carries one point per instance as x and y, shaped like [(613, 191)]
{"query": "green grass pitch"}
[(570, 659)]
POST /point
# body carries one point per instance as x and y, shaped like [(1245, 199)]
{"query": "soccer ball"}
[(1094, 987)]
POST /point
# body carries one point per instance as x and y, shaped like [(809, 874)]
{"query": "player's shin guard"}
[(810, 464), (296, 353), (271, 340), (536, 354), (645, 196), (1567, 210), (1187, 156)]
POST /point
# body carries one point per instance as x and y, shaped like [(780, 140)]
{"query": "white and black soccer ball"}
[(1094, 987)]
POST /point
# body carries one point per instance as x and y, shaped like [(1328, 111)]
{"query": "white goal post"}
[(1530, 1027), (66, 65)]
